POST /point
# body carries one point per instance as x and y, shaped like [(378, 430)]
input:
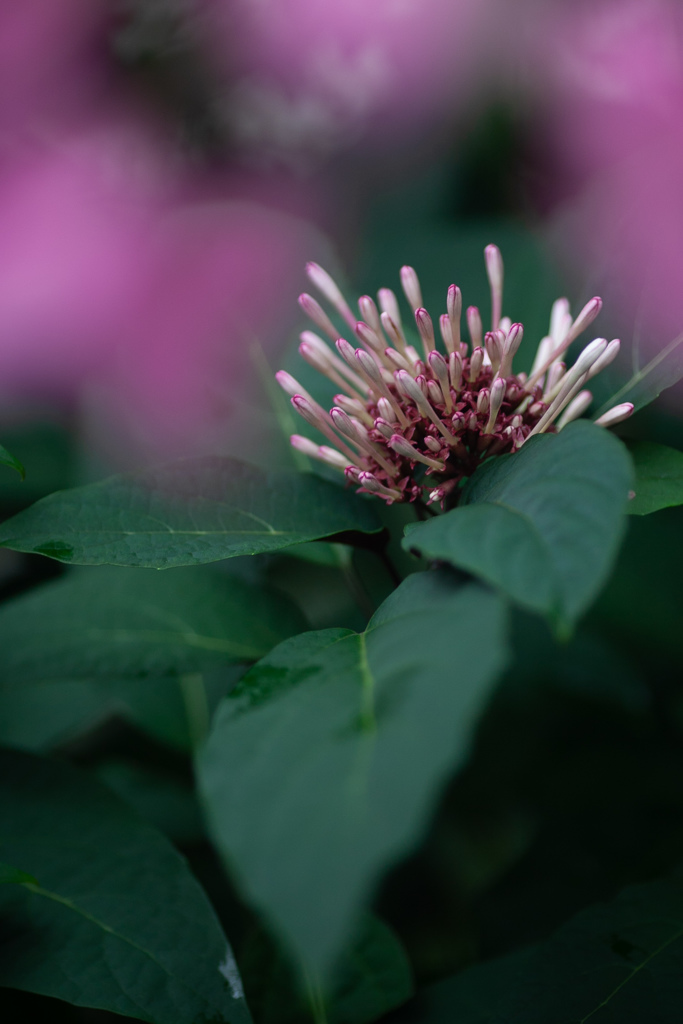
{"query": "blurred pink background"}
[(167, 168)]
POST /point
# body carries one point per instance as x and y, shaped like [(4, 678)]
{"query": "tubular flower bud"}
[(406, 427)]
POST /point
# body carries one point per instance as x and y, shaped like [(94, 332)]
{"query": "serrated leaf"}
[(325, 762), (542, 525), (186, 513), (7, 459), (117, 921), (110, 623), (615, 963), (659, 477)]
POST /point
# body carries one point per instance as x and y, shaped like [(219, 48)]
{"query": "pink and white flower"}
[(412, 423)]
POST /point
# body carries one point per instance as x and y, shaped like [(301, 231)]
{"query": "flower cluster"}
[(412, 426)]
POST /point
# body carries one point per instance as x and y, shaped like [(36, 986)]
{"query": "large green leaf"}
[(543, 525), (615, 963), (325, 762), (114, 622), (659, 477), (184, 513), (117, 921)]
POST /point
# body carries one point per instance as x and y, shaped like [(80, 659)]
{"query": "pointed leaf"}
[(615, 963), (116, 622), (326, 761), (543, 525), (7, 459), (185, 513), (659, 477), (117, 921)]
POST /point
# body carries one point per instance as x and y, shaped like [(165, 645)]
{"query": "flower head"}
[(411, 425)]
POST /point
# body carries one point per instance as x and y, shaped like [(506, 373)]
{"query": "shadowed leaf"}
[(117, 921), (325, 762)]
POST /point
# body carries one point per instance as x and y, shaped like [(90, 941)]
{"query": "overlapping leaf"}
[(116, 920), (115, 622), (373, 976), (325, 762), (543, 525), (659, 477), (185, 513), (616, 963)]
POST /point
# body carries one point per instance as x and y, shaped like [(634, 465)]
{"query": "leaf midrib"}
[(70, 905), (634, 972)]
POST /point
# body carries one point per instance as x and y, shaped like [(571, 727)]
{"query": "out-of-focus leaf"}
[(7, 459), (543, 525), (41, 716), (659, 477), (174, 710), (325, 762), (117, 921), (165, 801), (186, 513), (619, 962), (48, 452), (115, 622), (372, 977), (647, 383), (467, 998), (13, 876)]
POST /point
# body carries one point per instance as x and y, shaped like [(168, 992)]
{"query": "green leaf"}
[(13, 876), (468, 998), (115, 622), (542, 525), (326, 761), (647, 382), (373, 976), (7, 459), (185, 513), (117, 921), (39, 717), (615, 962), (659, 477)]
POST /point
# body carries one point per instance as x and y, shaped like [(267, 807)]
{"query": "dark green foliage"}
[(542, 525), (116, 919), (113, 623), (324, 764), (372, 976), (659, 478), (7, 459), (616, 963), (186, 513)]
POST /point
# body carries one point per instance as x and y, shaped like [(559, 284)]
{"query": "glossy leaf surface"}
[(185, 513), (325, 763), (542, 525), (117, 921)]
